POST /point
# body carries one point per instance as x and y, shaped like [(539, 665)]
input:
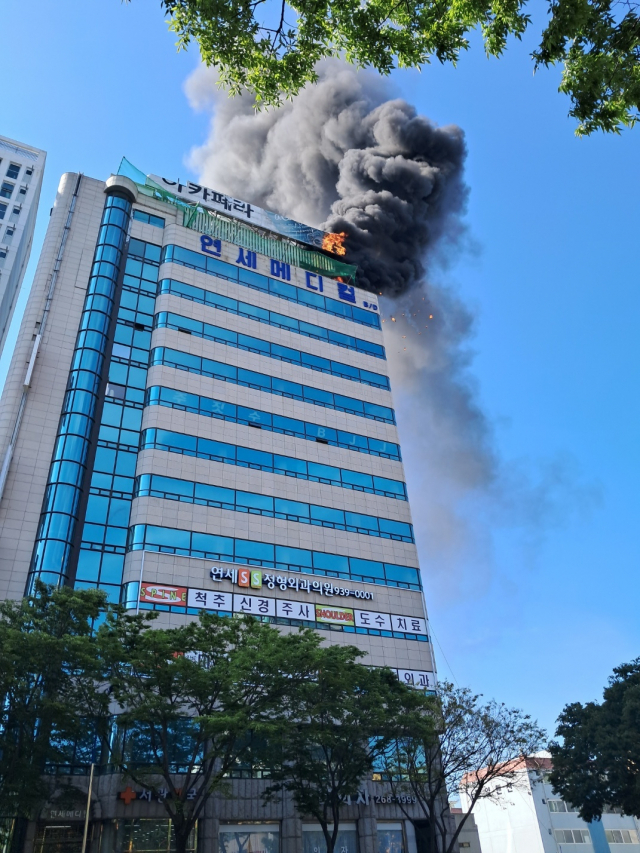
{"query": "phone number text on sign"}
[(257, 580)]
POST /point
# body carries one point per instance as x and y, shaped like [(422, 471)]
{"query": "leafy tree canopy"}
[(326, 734), (598, 762), (188, 699), (47, 668), (470, 747), (271, 48)]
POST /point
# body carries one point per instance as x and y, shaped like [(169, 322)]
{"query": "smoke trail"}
[(346, 155)]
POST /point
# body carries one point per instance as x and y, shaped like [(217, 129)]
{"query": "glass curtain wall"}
[(52, 551)]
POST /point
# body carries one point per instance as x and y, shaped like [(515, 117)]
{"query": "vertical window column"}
[(60, 507)]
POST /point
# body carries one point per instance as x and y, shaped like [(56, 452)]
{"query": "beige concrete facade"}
[(66, 261)]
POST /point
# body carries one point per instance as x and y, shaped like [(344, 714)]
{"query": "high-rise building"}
[(198, 415), (21, 171)]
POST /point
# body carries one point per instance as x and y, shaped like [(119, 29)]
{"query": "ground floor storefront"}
[(125, 818), (146, 835)]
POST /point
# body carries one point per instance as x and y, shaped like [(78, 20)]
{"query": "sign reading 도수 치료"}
[(335, 615)]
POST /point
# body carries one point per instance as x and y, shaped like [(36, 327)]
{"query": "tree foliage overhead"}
[(598, 762), (271, 47)]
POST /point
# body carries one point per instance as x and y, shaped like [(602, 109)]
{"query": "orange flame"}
[(334, 243)]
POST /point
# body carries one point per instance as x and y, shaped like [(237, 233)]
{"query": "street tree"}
[(326, 735), (597, 762), (187, 699), (469, 748), (47, 667), (271, 49)]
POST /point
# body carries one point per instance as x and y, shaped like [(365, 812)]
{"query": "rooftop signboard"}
[(247, 213)]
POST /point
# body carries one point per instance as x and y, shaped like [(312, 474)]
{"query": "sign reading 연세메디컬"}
[(243, 210)]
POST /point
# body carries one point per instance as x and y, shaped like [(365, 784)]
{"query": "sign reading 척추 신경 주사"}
[(257, 604), (243, 210)]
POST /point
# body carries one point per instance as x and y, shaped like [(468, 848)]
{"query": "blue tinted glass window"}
[(323, 472), (296, 508), (385, 485), (323, 513), (331, 563), (216, 448), (293, 556), (356, 478), (396, 528), (366, 567), (214, 493), (356, 519), (254, 551), (402, 574), (288, 464), (88, 565), (212, 544), (168, 537), (254, 457), (254, 501), (171, 484), (119, 512)]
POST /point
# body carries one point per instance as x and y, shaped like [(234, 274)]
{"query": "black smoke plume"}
[(345, 157), (348, 156)]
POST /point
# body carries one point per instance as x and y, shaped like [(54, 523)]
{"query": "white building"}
[(469, 839), (21, 170), (529, 817)]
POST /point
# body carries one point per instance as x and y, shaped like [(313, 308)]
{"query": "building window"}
[(8, 234), (22, 191), (560, 806), (3, 210), (66, 835), (6, 189), (243, 837), (391, 838), (572, 836), (117, 391), (222, 335), (313, 839), (204, 494), (149, 218), (16, 212), (272, 318), (13, 171), (142, 836), (621, 836)]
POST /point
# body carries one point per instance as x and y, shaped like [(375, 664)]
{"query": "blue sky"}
[(552, 281)]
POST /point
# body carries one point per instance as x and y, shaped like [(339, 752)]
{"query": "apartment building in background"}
[(198, 415), (21, 172), (529, 817)]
